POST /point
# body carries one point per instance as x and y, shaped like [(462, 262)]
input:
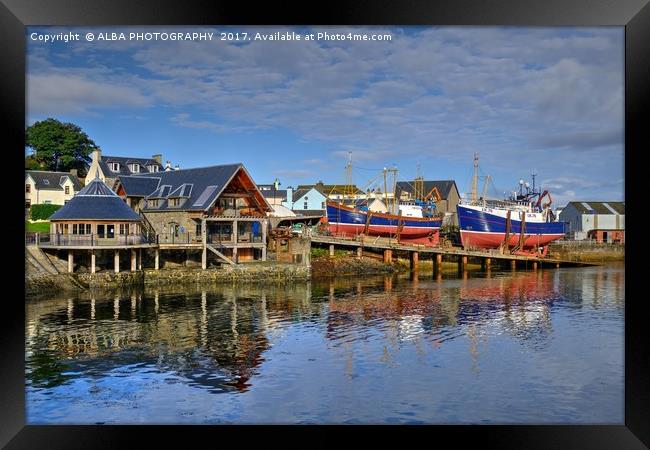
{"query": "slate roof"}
[(95, 201), (598, 207), (309, 212), (268, 191), (327, 189), (52, 181), (124, 162), (207, 183), (136, 186), (444, 187)]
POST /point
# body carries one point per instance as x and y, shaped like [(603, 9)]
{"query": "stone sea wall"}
[(46, 283)]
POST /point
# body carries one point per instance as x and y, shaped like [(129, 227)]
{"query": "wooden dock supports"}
[(157, 258), (359, 252), (331, 249), (415, 256), (70, 261), (116, 260), (462, 263), (92, 261), (534, 265), (513, 264), (437, 264), (133, 258), (388, 256)]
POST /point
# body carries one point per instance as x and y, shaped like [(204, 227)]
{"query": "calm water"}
[(528, 347)]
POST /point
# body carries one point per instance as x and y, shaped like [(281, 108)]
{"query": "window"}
[(74, 228), (198, 229), (88, 228), (174, 202), (65, 228), (115, 167), (305, 205), (47, 202), (135, 168), (28, 188), (123, 228), (153, 168), (67, 190), (28, 203), (153, 203), (322, 205)]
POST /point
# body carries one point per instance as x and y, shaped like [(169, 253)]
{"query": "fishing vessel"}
[(346, 220), (413, 222), (520, 224)]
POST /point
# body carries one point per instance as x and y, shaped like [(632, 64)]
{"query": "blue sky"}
[(544, 99)]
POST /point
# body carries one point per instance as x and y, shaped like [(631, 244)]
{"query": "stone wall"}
[(46, 284), (161, 220)]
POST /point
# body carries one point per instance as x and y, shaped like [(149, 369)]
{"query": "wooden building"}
[(217, 208)]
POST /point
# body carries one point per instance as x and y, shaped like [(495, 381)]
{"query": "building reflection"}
[(222, 332)]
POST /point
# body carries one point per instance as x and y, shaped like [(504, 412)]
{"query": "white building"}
[(585, 217)]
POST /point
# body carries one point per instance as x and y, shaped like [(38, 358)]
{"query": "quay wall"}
[(586, 251), (47, 283)]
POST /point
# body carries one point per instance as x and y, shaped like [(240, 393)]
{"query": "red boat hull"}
[(494, 240)]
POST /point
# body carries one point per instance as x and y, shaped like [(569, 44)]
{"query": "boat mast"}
[(475, 180), (385, 188), (348, 178)]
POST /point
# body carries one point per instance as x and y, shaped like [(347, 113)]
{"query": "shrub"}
[(317, 252), (43, 212)]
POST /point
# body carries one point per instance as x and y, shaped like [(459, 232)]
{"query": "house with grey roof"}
[(272, 193), (419, 188), (108, 168), (603, 221), (56, 188), (306, 201), (222, 201)]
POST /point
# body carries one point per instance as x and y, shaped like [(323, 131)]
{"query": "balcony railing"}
[(62, 240)]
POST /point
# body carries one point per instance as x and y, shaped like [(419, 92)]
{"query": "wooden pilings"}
[(133, 262), (331, 249), (157, 259), (70, 261), (92, 261), (388, 256), (359, 252), (116, 261), (415, 256)]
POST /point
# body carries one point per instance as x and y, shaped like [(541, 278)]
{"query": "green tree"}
[(59, 146), (32, 164)]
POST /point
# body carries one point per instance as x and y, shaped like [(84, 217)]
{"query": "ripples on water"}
[(527, 347)]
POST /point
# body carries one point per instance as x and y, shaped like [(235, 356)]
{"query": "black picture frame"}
[(634, 15)]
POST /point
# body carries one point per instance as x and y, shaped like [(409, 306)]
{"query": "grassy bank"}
[(37, 227)]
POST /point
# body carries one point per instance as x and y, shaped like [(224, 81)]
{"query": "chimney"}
[(157, 158), (168, 166), (289, 197), (73, 172), (97, 154)]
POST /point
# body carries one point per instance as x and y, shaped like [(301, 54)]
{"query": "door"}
[(101, 229), (110, 231)]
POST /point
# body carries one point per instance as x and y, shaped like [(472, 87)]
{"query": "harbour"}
[(503, 347)]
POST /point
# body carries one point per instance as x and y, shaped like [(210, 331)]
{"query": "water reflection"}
[(223, 339)]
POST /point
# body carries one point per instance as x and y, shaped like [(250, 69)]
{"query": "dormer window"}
[(135, 168), (115, 167), (153, 168), (174, 201), (153, 203)]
